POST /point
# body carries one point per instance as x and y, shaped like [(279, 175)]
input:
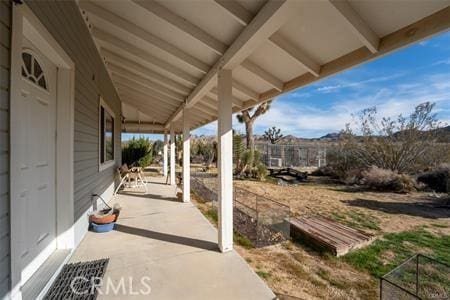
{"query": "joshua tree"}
[(273, 135), (248, 119)]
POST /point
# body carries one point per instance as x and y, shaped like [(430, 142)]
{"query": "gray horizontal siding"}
[(5, 54), (64, 21)]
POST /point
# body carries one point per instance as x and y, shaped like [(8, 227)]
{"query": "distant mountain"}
[(331, 136), (291, 139), (442, 133)]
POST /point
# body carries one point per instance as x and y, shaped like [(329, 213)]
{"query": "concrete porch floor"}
[(172, 244)]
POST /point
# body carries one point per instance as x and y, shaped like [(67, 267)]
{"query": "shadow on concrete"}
[(432, 209), (151, 196), (170, 238), (156, 182)]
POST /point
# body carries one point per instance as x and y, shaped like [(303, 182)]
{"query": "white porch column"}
[(165, 154), (172, 155), (186, 157), (225, 161)]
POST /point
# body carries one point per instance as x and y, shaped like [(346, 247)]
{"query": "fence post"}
[(381, 288), (319, 156), (417, 275), (307, 156)]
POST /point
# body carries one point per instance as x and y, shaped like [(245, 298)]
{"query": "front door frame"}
[(26, 24)]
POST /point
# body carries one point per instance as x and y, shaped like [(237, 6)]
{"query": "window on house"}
[(31, 70), (106, 135)]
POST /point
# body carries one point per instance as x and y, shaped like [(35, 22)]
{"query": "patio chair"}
[(132, 178), (124, 176), (137, 175)]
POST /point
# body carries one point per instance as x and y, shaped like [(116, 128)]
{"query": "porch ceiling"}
[(164, 55)]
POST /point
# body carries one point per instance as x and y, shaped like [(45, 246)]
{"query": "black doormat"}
[(78, 280)]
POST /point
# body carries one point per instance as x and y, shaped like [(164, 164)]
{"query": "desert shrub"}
[(203, 151), (353, 176), (401, 144), (250, 165), (260, 171), (437, 179), (137, 152), (207, 152), (324, 171), (387, 180), (343, 163)]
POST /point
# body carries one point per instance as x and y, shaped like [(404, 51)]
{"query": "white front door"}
[(36, 157)]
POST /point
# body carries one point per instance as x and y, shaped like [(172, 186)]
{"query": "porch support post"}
[(225, 160), (165, 154), (186, 156), (172, 154)]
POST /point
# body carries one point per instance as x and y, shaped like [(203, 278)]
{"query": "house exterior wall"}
[(5, 46), (65, 23)]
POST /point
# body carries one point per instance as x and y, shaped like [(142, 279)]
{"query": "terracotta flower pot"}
[(105, 219)]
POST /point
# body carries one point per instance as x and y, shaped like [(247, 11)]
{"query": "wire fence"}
[(261, 220), (277, 155), (419, 277)]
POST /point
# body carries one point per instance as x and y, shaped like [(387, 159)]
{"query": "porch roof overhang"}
[(164, 56)]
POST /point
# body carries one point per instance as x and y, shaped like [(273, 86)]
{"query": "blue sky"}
[(395, 84)]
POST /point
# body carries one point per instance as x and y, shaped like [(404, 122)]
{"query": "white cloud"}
[(442, 62), (304, 118), (353, 84)]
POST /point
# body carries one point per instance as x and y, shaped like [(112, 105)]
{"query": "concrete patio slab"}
[(169, 248)]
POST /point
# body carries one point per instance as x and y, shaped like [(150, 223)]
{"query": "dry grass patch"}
[(294, 270)]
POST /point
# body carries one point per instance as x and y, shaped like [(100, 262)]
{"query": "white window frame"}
[(107, 164)]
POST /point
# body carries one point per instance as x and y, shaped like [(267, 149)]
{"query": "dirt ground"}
[(374, 212), (295, 271)]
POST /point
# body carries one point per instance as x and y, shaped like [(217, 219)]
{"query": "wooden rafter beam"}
[(182, 24), (236, 101), (245, 90), (142, 54), (303, 59), (151, 108), (209, 102), (237, 11), (142, 34), (132, 66), (263, 74), (151, 102), (145, 82), (357, 25), (145, 89), (415, 32), (142, 128), (145, 108), (244, 17), (145, 125), (125, 90), (212, 98), (268, 20), (206, 110)]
